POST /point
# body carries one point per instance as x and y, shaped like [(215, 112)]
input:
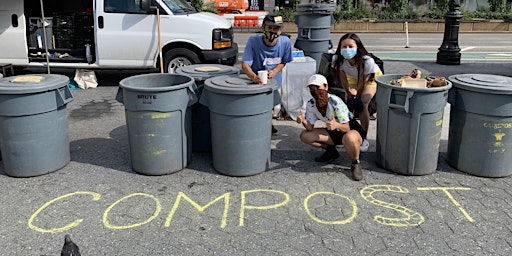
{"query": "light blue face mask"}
[(349, 53)]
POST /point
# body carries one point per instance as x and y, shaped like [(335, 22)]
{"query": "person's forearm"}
[(278, 68), (307, 125), (344, 127), (248, 71)]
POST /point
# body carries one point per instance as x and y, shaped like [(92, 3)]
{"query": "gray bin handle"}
[(192, 97), (119, 95), (305, 33), (64, 96), (405, 107)]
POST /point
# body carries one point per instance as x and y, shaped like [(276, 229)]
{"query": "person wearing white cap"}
[(341, 128)]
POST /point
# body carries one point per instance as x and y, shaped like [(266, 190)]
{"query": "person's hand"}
[(271, 74), (300, 117), (331, 124), (350, 93), (255, 79)]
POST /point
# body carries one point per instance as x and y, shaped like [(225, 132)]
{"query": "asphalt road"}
[(428, 42)]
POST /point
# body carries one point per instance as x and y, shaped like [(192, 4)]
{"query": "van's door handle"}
[(14, 20), (100, 21)]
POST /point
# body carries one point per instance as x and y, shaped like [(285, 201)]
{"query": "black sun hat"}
[(273, 20)]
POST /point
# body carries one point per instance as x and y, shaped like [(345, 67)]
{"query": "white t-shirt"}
[(369, 66)]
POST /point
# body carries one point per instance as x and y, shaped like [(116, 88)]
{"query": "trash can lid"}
[(494, 84), (201, 72), (32, 83), (314, 8), (238, 85)]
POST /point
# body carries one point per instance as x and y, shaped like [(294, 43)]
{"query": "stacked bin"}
[(159, 121), (201, 132), (480, 133), (34, 136), (240, 118), (409, 126), (314, 22)]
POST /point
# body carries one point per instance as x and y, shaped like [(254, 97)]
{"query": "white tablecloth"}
[(294, 93)]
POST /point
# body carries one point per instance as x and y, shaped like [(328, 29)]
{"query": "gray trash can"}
[(241, 119), (409, 126), (158, 121), (34, 135), (480, 132), (314, 21), (201, 132)]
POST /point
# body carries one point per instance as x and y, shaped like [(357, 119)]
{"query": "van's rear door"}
[(125, 35), (13, 41)]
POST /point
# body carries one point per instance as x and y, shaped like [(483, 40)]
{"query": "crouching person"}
[(332, 110)]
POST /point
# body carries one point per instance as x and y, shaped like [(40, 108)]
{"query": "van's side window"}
[(123, 6)]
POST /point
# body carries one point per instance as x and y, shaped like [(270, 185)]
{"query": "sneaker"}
[(355, 169), (364, 146), (274, 130), (329, 154)]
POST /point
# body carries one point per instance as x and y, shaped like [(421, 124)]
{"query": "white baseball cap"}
[(317, 80)]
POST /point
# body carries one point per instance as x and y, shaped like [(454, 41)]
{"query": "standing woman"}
[(355, 70)]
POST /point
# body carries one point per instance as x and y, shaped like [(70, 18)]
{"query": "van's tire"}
[(179, 57)]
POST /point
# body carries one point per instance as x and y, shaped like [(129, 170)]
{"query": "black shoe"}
[(355, 169), (274, 130), (329, 154)]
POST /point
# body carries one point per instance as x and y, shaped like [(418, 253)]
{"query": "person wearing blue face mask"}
[(355, 70), (268, 51)]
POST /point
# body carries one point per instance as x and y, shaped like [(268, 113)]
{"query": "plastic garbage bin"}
[(34, 135), (314, 21), (201, 132), (240, 119), (159, 121), (480, 131), (409, 126)]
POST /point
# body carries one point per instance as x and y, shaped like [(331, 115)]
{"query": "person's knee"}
[(304, 137), (353, 138), (366, 98)]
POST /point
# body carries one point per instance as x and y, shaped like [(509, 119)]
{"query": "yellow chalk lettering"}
[(158, 115), (243, 205), (95, 197), (338, 222), (499, 136), (199, 208), (413, 218), (445, 190), (159, 152), (158, 208)]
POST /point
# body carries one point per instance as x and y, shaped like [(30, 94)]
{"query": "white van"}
[(112, 34)]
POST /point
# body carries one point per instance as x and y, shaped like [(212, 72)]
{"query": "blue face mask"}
[(349, 53)]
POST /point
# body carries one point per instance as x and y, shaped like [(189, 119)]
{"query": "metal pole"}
[(44, 38), (159, 40), (406, 35), (449, 52)]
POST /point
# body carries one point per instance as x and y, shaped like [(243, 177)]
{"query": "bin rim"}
[(186, 84), (201, 75), (238, 85), (48, 82), (314, 7), (390, 77), (484, 83)]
